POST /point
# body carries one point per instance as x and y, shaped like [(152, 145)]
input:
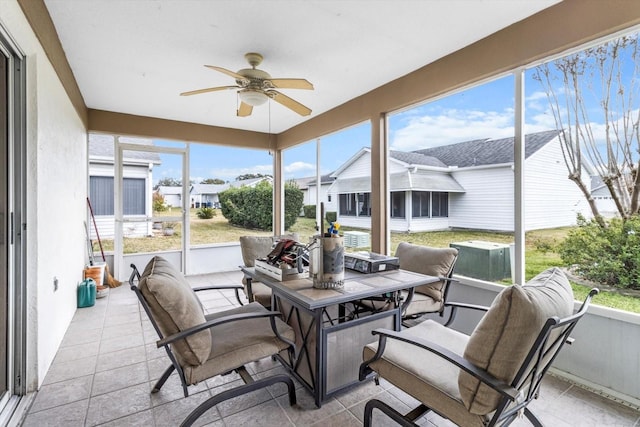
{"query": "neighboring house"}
[(309, 190), (602, 196), (467, 185), (137, 186), (206, 195), (172, 195)]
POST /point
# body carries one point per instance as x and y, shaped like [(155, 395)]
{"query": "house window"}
[(397, 204), (440, 204), (364, 204), (347, 204), (133, 190), (101, 195), (420, 204), (354, 204)]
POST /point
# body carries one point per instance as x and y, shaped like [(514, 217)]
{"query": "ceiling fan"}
[(257, 86)]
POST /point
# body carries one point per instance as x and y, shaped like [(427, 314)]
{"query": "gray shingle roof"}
[(416, 158), (311, 180), (486, 151), (101, 146)]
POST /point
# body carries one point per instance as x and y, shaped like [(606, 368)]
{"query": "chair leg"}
[(163, 378), (532, 418), (387, 410), (238, 391), (238, 297)]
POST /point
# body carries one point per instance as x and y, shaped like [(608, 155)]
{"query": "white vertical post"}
[(118, 244), (518, 162), (186, 212), (319, 220)]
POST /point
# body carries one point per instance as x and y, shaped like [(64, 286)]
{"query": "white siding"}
[(360, 167), (551, 198), (487, 203), (428, 224), (363, 222), (329, 206), (394, 165), (172, 200)]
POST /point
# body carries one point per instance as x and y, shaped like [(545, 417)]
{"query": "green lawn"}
[(540, 250)]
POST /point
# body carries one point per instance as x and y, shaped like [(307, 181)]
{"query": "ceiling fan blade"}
[(289, 103), (244, 110), (227, 72), (291, 84), (210, 89)]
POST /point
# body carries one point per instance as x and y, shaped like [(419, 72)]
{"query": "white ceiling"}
[(136, 56)]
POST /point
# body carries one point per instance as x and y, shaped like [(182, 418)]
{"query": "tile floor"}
[(107, 364)]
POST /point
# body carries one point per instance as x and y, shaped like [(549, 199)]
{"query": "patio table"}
[(330, 340)]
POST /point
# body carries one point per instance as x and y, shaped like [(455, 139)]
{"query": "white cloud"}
[(451, 126), (431, 127), (298, 168)]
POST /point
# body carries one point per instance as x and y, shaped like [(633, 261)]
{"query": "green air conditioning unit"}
[(483, 260)]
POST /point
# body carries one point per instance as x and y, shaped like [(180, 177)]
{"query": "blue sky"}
[(480, 112), (483, 111)]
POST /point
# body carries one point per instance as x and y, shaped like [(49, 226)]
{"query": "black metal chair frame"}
[(250, 383), (514, 396), (394, 299), (447, 279)]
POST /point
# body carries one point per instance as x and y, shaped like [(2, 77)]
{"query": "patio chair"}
[(256, 247), (201, 346), (430, 298), (489, 377)]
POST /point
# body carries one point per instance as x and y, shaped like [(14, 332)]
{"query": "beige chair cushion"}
[(427, 260), (238, 343), (175, 307), (422, 374), (420, 303), (506, 333), (255, 247)]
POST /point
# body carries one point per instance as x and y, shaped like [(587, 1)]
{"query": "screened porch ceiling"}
[(124, 64)]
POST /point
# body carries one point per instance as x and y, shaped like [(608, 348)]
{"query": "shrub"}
[(331, 216), (544, 244), (158, 202), (309, 211), (609, 255), (252, 207), (206, 213)]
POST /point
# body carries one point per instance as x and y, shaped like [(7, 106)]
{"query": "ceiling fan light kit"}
[(253, 97), (256, 87)]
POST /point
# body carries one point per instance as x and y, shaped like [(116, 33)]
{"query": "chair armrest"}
[(237, 288), (462, 363), (217, 287), (456, 305), (467, 306), (405, 304), (272, 315)]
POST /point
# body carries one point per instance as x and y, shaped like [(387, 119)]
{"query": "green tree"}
[(212, 181), (159, 204), (252, 207), (607, 76), (251, 176), (170, 182)]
